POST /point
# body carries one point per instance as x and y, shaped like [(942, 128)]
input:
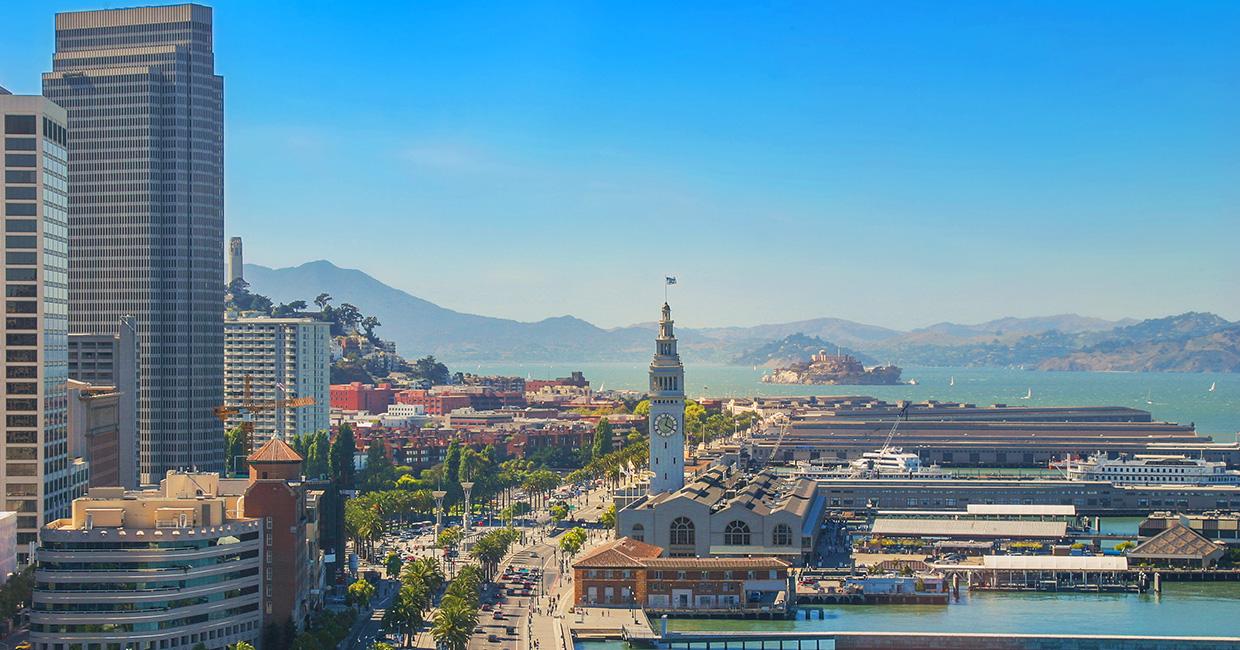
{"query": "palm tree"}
[(241, 645), (453, 624)]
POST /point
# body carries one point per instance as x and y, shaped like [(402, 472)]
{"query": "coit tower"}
[(667, 411)]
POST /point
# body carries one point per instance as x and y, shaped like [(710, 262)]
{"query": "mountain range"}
[(1187, 342)]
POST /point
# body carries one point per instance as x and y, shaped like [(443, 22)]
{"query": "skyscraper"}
[(667, 411), (146, 211), (40, 480)]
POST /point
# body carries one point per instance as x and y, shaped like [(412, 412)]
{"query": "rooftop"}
[(971, 528), (1177, 542)]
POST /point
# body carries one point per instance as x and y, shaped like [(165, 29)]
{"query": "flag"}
[(671, 280)]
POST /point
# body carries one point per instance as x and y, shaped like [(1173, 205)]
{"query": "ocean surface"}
[(1172, 397)]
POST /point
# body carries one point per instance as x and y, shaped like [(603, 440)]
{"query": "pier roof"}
[(1055, 562), (1177, 543), (971, 528)]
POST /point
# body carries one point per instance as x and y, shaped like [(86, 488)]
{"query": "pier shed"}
[(971, 529), (1055, 573)]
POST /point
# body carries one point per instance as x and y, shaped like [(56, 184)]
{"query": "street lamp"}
[(438, 495), (467, 486)]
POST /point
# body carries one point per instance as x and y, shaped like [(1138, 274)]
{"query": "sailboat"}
[(951, 381), (1213, 385), (1149, 397), (1029, 394)]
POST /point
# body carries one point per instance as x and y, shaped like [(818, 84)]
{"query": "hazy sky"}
[(898, 163)]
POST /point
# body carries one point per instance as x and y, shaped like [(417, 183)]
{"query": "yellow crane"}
[(244, 412)]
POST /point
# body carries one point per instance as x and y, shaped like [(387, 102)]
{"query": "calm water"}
[(1176, 397), (1182, 609)]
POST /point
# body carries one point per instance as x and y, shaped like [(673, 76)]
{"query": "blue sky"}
[(896, 163)]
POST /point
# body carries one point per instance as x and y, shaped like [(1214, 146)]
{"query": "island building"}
[(626, 572), (236, 266), (41, 478), (200, 560), (666, 422), (105, 369), (145, 122), (272, 360), (725, 512)]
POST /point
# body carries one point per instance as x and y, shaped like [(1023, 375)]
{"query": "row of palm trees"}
[(419, 581), (611, 467), (457, 615)]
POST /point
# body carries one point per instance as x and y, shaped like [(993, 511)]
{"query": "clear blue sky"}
[(898, 163)]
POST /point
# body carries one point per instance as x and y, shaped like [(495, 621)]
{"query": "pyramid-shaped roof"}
[(1175, 543), (275, 451)]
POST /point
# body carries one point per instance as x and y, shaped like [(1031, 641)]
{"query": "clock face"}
[(665, 424)]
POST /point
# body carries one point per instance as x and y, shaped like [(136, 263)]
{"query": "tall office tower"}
[(236, 266), (40, 479), (271, 360), (146, 211), (101, 360)]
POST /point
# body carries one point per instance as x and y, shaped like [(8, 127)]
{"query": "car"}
[(511, 630), (492, 638), (486, 607), (498, 615)]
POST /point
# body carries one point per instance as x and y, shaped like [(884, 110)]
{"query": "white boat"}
[(951, 381), (912, 382), (1213, 385), (1028, 395), (888, 462), (1151, 470)]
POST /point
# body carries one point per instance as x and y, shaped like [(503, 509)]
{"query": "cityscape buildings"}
[(40, 478), (107, 364), (150, 570), (269, 360), (145, 117)]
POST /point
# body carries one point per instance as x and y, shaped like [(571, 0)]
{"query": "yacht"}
[(1151, 470), (888, 462)]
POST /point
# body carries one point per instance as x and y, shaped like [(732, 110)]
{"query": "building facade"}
[(94, 431), (145, 116), (667, 411), (272, 359), (152, 570), (108, 363), (40, 477)]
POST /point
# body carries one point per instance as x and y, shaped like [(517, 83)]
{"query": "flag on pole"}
[(671, 280)]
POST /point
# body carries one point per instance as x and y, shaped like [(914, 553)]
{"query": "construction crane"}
[(247, 409)]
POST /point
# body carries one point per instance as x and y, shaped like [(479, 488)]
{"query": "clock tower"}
[(667, 411)]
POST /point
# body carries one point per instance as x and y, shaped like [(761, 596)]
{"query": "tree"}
[(235, 450), (342, 450), (450, 537), (608, 518), (393, 563), (323, 300), (429, 369), (242, 645), (453, 624), (360, 593), (642, 408), (602, 439), (1125, 546), (369, 324), (379, 645), (558, 513), (572, 541)]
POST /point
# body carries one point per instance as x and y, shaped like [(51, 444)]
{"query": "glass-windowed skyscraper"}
[(39, 480), (146, 211)]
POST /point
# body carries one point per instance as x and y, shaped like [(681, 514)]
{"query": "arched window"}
[(781, 535), (683, 533), (736, 534), (639, 532)]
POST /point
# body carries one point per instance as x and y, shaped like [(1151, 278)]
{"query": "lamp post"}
[(438, 496), (466, 486)]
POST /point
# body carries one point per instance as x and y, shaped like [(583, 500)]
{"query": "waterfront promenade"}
[(734, 640)]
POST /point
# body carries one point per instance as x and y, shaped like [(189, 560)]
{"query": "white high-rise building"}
[(667, 411), (271, 359), (40, 478)]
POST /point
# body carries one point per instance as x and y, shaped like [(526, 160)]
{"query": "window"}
[(19, 160), (736, 534), (19, 124), (19, 176), (22, 193), (639, 532), (19, 144), (683, 532), (20, 209), (781, 536)]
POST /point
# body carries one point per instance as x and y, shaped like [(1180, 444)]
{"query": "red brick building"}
[(362, 397), (277, 497), (626, 572)]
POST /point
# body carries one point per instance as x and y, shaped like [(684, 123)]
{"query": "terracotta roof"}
[(275, 451), (623, 552), (1177, 542), (715, 563)]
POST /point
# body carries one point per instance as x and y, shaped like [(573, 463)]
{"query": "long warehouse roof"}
[(970, 528)]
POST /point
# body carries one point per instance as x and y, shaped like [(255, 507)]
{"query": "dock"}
[(917, 641)]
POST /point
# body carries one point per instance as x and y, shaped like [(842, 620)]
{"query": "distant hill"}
[(794, 348), (1192, 342), (1189, 342), (421, 327)]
